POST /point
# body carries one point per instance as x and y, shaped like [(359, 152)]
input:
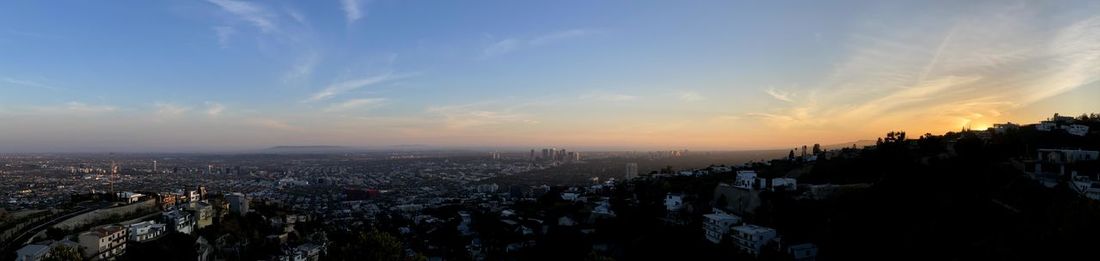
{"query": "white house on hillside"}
[(674, 202), (745, 179), (717, 225)]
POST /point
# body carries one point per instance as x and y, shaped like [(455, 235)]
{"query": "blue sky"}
[(226, 75)]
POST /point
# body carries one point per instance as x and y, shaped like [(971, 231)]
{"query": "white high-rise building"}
[(631, 170), (238, 203)]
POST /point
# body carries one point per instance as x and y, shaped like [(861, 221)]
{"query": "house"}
[(1046, 126), (1077, 129), (674, 202), (1067, 156), (204, 213), (745, 179), (103, 243), (721, 169), (32, 252), (566, 221), (570, 196), (1085, 186), (464, 226), (752, 238), (203, 249), (179, 221), (783, 184), (129, 197), (145, 231), (802, 252), (309, 252), (1002, 128), (717, 225)]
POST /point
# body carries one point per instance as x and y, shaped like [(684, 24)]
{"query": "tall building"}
[(238, 203), (631, 170)]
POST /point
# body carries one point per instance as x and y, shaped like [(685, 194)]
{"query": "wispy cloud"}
[(691, 96), (303, 68), (297, 16), (357, 104), (501, 47), (511, 44), (352, 9), (251, 12), (479, 115), (346, 86), (607, 96), (166, 110), (86, 108), (943, 74), (28, 83), (273, 124), (779, 95), (214, 109), (559, 36), (224, 33)]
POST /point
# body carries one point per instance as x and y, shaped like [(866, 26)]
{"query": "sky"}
[(217, 75)]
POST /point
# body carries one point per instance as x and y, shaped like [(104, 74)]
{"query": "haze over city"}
[(218, 75)]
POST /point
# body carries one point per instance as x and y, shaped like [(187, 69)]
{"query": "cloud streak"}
[(352, 9), (779, 95), (607, 96), (28, 83), (214, 109), (512, 44), (254, 14), (350, 85), (170, 110), (356, 104), (944, 74)]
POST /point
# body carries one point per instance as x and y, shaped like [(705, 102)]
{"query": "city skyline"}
[(224, 75)]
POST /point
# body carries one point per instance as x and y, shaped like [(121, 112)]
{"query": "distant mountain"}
[(309, 149), (315, 147)]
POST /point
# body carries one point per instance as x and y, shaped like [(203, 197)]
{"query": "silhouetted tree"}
[(63, 253), (817, 148)]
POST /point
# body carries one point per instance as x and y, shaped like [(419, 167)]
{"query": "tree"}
[(63, 253), (381, 246), (791, 155), (722, 202), (817, 148)]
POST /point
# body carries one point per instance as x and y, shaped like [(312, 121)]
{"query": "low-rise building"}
[(32, 252), (1002, 128), (674, 202), (179, 221), (783, 184), (145, 231), (129, 197), (745, 179), (802, 252), (752, 238), (717, 225), (1077, 129), (103, 243), (204, 213)]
